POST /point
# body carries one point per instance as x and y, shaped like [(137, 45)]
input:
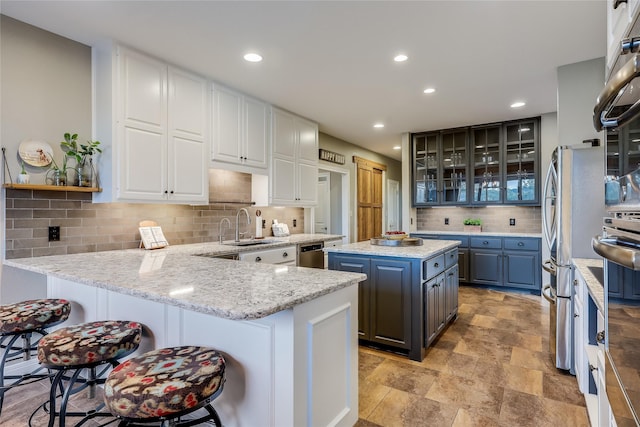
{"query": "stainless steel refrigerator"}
[(572, 212)]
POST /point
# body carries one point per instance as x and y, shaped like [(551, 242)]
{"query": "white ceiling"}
[(331, 61)]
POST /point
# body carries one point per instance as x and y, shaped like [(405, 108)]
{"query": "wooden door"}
[(369, 188)]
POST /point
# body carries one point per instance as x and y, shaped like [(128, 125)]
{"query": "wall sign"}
[(332, 157)]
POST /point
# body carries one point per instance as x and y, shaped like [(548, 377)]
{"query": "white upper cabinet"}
[(153, 119), (241, 130), (294, 161)]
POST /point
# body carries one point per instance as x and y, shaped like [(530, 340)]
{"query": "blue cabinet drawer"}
[(521, 244), (486, 242), (433, 266), (450, 258), (464, 240)]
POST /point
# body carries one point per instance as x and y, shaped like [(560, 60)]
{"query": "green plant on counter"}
[(472, 221)]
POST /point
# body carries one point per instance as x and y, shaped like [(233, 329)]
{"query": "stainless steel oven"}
[(617, 112), (620, 244)]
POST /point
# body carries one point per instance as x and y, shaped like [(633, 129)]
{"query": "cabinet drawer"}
[(464, 240), (523, 244), (486, 242), (432, 267), (451, 258), (271, 256)]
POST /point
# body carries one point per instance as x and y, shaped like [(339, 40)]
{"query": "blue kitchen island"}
[(410, 295)]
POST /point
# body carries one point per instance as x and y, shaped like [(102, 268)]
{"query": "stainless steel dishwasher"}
[(311, 255)]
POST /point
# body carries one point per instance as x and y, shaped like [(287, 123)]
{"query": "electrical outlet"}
[(264, 223), (446, 221), (512, 221), (54, 233), (295, 223)]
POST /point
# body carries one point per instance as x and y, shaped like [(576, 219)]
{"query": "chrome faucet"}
[(238, 222), (222, 221)]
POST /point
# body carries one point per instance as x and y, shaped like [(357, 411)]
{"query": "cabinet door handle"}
[(284, 254), (171, 191), (592, 368), (600, 337), (165, 191), (575, 282), (520, 243), (485, 242), (258, 259), (576, 315), (436, 265)]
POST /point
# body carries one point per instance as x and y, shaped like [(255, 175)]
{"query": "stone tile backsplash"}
[(494, 219), (95, 227)]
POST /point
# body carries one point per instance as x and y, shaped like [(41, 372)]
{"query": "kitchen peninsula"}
[(410, 295), (288, 333)]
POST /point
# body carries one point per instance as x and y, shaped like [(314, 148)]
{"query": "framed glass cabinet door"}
[(521, 154), (455, 159), (425, 169), (487, 177)]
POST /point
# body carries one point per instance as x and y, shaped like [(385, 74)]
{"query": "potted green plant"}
[(83, 154), (58, 175), (23, 176), (473, 225)]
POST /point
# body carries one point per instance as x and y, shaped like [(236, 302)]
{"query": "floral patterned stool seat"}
[(93, 348), (21, 321), (165, 386)]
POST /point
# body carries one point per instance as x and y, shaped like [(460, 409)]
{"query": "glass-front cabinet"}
[(425, 169), (623, 150), (440, 168), (454, 167), (521, 165), (481, 165), (487, 177)]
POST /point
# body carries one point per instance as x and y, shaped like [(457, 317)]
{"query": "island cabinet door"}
[(451, 293), (391, 302), (357, 265), (434, 307)]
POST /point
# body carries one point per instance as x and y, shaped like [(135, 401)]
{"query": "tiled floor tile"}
[(401, 376), (523, 379)]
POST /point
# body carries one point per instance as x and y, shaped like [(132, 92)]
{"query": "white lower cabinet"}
[(589, 354), (153, 121)]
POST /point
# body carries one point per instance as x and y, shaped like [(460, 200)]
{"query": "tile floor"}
[(490, 368)]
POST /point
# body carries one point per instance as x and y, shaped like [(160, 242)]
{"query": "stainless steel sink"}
[(250, 242)]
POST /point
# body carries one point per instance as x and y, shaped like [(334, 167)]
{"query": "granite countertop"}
[(476, 233), (174, 275), (596, 289), (428, 249)]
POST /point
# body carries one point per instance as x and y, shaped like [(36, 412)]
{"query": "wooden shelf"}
[(43, 187)]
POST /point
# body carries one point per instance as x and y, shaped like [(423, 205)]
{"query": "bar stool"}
[(165, 385), (92, 347), (21, 321)]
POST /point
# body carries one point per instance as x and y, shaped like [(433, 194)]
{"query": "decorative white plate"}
[(35, 153)]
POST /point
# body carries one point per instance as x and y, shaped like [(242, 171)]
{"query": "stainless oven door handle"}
[(608, 249), (612, 91), (550, 297), (549, 267)]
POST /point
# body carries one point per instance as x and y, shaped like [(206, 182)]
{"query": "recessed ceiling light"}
[(252, 57), (396, 147), (518, 104), (400, 58), (429, 90), (378, 125)]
